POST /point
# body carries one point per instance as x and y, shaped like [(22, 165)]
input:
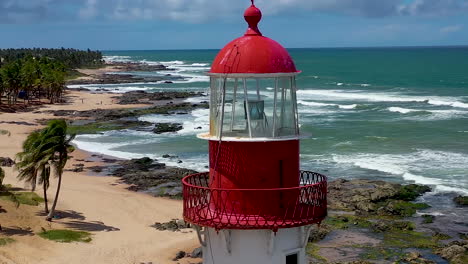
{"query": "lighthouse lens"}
[(253, 107)]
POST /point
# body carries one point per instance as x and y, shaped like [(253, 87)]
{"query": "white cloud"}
[(451, 29), (193, 11)]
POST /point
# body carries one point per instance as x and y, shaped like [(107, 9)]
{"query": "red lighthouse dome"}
[(253, 53)]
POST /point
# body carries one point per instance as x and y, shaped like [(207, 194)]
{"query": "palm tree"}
[(56, 145), (41, 150), (44, 180), (29, 159)]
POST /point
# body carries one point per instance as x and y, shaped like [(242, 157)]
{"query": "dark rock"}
[(179, 255), (173, 225), (179, 161), (78, 169), (456, 252), (96, 169), (387, 225), (152, 177), (106, 160), (166, 189), (197, 253), (167, 156), (139, 97), (6, 162), (416, 258), (461, 200), (167, 127)]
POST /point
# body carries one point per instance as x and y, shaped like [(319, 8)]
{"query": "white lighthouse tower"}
[(255, 205)]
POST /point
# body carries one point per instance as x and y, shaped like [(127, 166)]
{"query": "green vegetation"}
[(313, 251), (71, 58), (428, 219), (32, 74), (41, 150), (411, 191), (461, 200), (408, 239), (376, 253), (28, 198), (440, 236), (343, 222), (4, 132), (405, 209), (102, 126), (5, 241), (66, 236)]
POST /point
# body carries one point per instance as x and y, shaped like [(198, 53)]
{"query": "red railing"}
[(255, 208)]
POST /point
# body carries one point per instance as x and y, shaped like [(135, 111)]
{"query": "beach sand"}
[(119, 219)]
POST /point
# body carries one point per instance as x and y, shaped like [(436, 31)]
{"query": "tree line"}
[(71, 58), (30, 74)]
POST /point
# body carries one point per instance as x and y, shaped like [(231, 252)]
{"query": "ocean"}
[(396, 114)]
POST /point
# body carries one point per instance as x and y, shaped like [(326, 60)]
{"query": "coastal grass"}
[(5, 241), (408, 239), (28, 198), (4, 132), (377, 253), (313, 250), (346, 221), (66, 236)]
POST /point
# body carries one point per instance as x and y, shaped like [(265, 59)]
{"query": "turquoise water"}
[(398, 114)]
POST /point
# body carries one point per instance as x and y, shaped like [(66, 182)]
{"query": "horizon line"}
[(338, 47)]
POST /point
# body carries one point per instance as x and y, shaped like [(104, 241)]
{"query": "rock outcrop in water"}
[(167, 127)]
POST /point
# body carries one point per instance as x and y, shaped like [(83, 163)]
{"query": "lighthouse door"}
[(292, 258)]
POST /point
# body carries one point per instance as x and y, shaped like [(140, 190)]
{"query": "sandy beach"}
[(119, 219)]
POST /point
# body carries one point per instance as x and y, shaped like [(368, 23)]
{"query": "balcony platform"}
[(255, 208)]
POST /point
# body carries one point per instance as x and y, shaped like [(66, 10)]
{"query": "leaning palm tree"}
[(44, 177), (41, 150), (56, 146), (29, 159)]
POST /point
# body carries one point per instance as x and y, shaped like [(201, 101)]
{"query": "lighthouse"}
[(255, 205)]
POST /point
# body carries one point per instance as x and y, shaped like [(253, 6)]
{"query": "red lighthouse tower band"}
[(254, 205)]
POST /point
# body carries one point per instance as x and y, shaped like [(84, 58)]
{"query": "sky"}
[(210, 24)]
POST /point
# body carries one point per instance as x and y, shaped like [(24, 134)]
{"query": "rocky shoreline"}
[(119, 74), (369, 221)]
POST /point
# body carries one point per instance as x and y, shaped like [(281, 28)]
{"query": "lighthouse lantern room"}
[(254, 205)]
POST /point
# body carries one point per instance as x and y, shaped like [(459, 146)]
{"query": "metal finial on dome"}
[(253, 15)]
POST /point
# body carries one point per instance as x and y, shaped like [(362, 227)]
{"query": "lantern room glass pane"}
[(253, 107)]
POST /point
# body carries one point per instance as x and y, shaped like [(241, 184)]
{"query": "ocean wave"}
[(307, 103), (116, 58), (118, 150), (411, 167), (403, 110), (174, 62), (357, 95), (200, 64), (428, 114)]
